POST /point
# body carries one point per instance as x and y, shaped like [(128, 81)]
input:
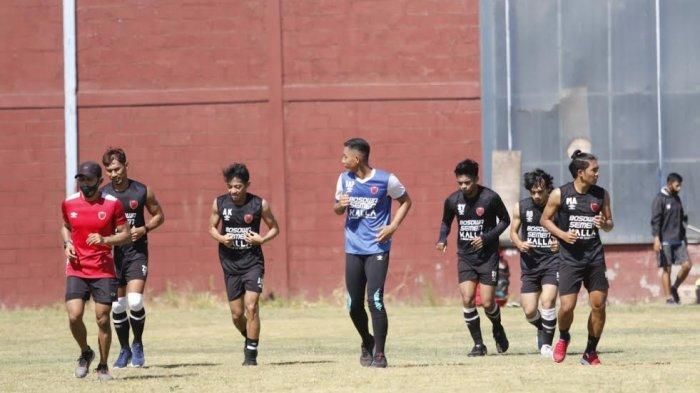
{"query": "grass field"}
[(313, 348)]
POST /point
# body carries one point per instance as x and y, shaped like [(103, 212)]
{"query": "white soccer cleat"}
[(546, 351)]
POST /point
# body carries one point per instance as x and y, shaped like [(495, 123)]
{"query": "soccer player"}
[(667, 219), (539, 261), (582, 210), (365, 194), (481, 218), (131, 259), (235, 224), (92, 224)]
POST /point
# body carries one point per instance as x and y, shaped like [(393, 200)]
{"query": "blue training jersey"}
[(369, 210)]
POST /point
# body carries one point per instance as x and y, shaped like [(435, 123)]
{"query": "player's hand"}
[(70, 252), (554, 244), (570, 237), (227, 240), (386, 233), (600, 221), (137, 233), (524, 247), (442, 247), (657, 244), (344, 200), (94, 239), (254, 238), (477, 243)]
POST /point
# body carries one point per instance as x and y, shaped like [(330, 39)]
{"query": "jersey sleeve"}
[(63, 212), (394, 187), (339, 188)]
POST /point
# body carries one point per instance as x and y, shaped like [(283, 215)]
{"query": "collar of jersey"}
[(368, 178)]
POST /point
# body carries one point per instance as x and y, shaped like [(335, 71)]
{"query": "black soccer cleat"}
[(83, 366), (379, 361), (499, 335), (366, 355), (250, 357), (478, 350)]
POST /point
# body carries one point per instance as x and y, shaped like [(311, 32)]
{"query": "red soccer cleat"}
[(590, 359), (560, 351)]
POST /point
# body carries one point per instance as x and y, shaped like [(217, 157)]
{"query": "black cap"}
[(89, 169)]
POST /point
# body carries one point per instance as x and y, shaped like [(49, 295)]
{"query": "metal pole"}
[(70, 90)]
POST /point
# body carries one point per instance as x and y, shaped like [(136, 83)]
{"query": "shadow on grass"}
[(167, 376), (300, 362), (178, 365)]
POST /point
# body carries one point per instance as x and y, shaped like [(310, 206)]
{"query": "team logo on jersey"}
[(248, 218), (571, 202), (479, 211), (101, 215), (227, 213), (374, 190), (668, 206), (595, 207), (528, 216), (460, 208), (133, 204), (73, 214)]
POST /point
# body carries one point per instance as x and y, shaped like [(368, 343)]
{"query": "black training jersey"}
[(540, 239), (133, 199), (238, 221), (484, 215), (576, 214)]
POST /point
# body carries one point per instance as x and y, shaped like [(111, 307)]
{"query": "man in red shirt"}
[(92, 224)]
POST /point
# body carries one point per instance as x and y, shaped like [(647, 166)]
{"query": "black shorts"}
[(131, 270), (250, 280), (485, 272), (103, 290), (534, 279), (673, 254), (591, 275)]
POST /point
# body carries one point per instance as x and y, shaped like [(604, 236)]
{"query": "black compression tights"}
[(368, 271)]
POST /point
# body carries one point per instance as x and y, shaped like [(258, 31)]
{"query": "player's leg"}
[(104, 293), (253, 284), (468, 280), (376, 268), (120, 319), (680, 255), (488, 278), (548, 300), (597, 285), (570, 280), (664, 258), (137, 318), (529, 303), (356, 283), (77, 292)]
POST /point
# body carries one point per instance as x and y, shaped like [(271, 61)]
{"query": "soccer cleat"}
[(590, 359), (103, 373), (138, 358), (250, 362), (499, 334), (366, 356), (250, 357), (559, 353), (123, 359), (674, 294), (670, 302), (546, 351), (83, 366), (478, 350), (379, 361)]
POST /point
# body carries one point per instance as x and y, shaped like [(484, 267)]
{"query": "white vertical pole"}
[(658, 92), (70, 90), (508, 79)]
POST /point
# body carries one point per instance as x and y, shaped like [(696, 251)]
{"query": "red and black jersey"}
[(102, 216)]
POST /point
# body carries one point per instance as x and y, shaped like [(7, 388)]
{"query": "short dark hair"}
[(467, 167), (673, 176), (236, 170), (113, 153), (359, 145), (538, 177), (579, 161)]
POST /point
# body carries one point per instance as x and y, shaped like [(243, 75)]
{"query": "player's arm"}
[(68, 247), (214, 221), (121, 236), (448, 215), (547, 220), (342, 199), (404, 206), (657, 217), (604, 220), (515, 230), (270, 221), (157, 216)]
